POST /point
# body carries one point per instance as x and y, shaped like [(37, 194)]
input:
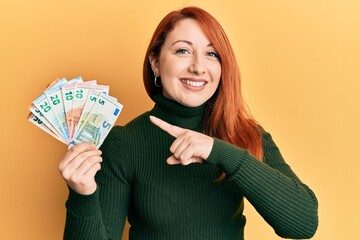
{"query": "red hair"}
[(227, 116)]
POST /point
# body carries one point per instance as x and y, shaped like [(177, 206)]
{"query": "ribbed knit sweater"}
[(175, 202)]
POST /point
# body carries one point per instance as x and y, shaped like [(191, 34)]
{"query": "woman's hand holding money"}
[(79, 166)]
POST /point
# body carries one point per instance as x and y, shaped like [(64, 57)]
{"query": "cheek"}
[(167, 91), (216, 73), (171, 66)]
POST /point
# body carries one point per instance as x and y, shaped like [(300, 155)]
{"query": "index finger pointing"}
[(171, 129)]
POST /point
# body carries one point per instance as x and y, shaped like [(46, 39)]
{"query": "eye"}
[(213, 55), (182, 51)]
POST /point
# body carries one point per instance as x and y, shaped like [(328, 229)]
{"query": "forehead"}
[(187, 29)]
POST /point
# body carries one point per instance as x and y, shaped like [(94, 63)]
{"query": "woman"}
[(182, 170)]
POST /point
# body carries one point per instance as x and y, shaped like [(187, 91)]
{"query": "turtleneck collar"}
[(178, 114)]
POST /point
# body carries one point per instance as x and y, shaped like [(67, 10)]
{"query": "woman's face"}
[(188, 65)]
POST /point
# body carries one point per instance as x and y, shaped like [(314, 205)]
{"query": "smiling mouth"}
[(193, 83)]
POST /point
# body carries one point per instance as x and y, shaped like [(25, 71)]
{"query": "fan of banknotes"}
[(75, 111)]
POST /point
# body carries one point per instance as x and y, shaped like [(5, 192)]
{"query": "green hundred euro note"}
[(98, 122)]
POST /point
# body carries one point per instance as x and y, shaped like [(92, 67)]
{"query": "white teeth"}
[(193, 84)]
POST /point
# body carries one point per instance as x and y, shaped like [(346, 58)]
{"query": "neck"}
[(178, 114)]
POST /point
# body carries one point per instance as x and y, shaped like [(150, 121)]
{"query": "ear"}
[(154, 64)]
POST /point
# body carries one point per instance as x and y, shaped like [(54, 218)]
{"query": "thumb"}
[(172, 160)]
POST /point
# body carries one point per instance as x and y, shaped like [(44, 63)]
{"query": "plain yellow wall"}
[(300, 68)]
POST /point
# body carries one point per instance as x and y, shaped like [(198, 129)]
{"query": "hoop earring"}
[(158, 84)]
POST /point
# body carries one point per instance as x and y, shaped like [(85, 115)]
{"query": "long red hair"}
[(227, 116)]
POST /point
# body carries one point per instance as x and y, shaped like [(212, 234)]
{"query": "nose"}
[(197, 66)]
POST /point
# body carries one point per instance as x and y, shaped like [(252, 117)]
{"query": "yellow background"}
[(300, 68)]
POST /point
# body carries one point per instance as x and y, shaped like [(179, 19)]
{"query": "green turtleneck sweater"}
[(175, 202)]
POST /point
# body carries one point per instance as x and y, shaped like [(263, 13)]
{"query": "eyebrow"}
[(188, 42)]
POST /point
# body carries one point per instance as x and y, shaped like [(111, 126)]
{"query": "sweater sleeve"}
[(287, 204), (102, 214)]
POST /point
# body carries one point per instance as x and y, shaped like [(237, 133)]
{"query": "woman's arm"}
[(286, 203), (102, 214)]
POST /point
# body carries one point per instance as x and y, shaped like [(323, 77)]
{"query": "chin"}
[(192, 102)]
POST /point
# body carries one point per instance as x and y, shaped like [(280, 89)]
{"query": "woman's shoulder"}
[(139, 121), (266, 137), (126, 136), (133, 128)]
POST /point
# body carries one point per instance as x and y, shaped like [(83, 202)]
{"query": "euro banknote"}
[(98, 121), (75, 111)]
